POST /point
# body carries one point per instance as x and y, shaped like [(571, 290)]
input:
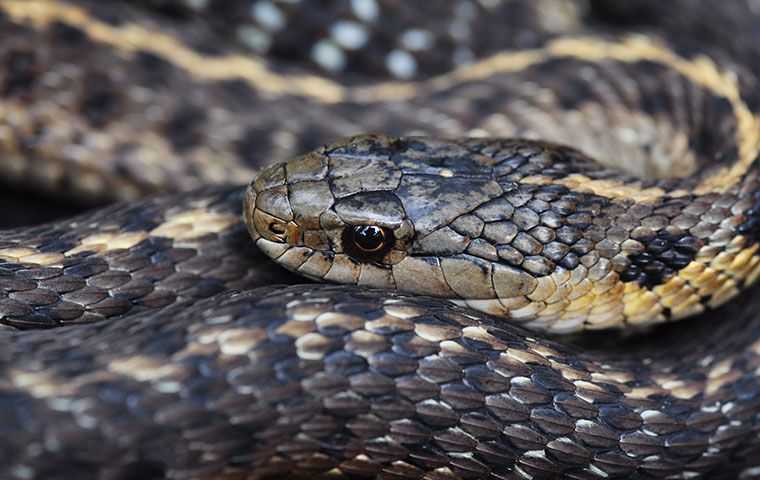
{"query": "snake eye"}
[(367, 241), (368, 238)]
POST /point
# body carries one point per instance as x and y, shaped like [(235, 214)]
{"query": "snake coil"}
[(599, 173)]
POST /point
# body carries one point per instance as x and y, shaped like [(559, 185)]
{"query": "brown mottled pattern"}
[(188, 364)]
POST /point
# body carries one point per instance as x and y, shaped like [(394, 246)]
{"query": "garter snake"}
[(175, 356)]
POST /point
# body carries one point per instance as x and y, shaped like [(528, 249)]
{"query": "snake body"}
[(174, 355)]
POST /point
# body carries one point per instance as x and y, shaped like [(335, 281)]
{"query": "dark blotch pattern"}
[(254, 145), (751, 225), (185, 129), (21, 70), (664, 255), (153, 70), (67, 34), (100, 100)]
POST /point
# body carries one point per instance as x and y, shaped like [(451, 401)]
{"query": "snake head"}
[(378, 211), (333, 214), (503, 226)]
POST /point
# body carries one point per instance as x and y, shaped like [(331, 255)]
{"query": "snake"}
[(540, 265)]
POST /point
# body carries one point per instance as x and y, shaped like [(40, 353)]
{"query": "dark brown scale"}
[(100, 101), (153, 70), (664, 255), (751, 225), (21, 71), (184, 130), (254, 143)]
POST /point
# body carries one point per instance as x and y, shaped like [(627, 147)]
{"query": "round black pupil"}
[(368, 237)]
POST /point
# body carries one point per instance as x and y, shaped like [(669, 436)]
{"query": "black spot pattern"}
[(665, 254), (751, 226), (67, 34), (100, 100), (254, 145), (184, 129), (21, 72), (153, 70), (142, 470)]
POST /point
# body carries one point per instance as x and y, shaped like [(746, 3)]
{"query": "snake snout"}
[(268, 213), (274, 229)]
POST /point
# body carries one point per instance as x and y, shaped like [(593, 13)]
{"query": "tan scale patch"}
[(240, 341), (544, 351), (402, 311), (721, 374), (313, 346), (644, 393), (45, 384), (583, 388), (613, 189), (615, 377), (339, 320), (194, 348), (144, 368), (108, 241), (30, 255), (678, 387), (525, 356), (295, 328), (436, 333), (181, 227), (569, 373), (193, 224), (41, 384), (15, 254)]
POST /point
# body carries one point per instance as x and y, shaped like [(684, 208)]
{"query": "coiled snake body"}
[(188, 363)]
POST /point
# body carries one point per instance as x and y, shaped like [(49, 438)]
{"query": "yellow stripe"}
[(613, 189), (130, 38)]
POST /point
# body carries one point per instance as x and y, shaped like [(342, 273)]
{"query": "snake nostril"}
[(268, 226)]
